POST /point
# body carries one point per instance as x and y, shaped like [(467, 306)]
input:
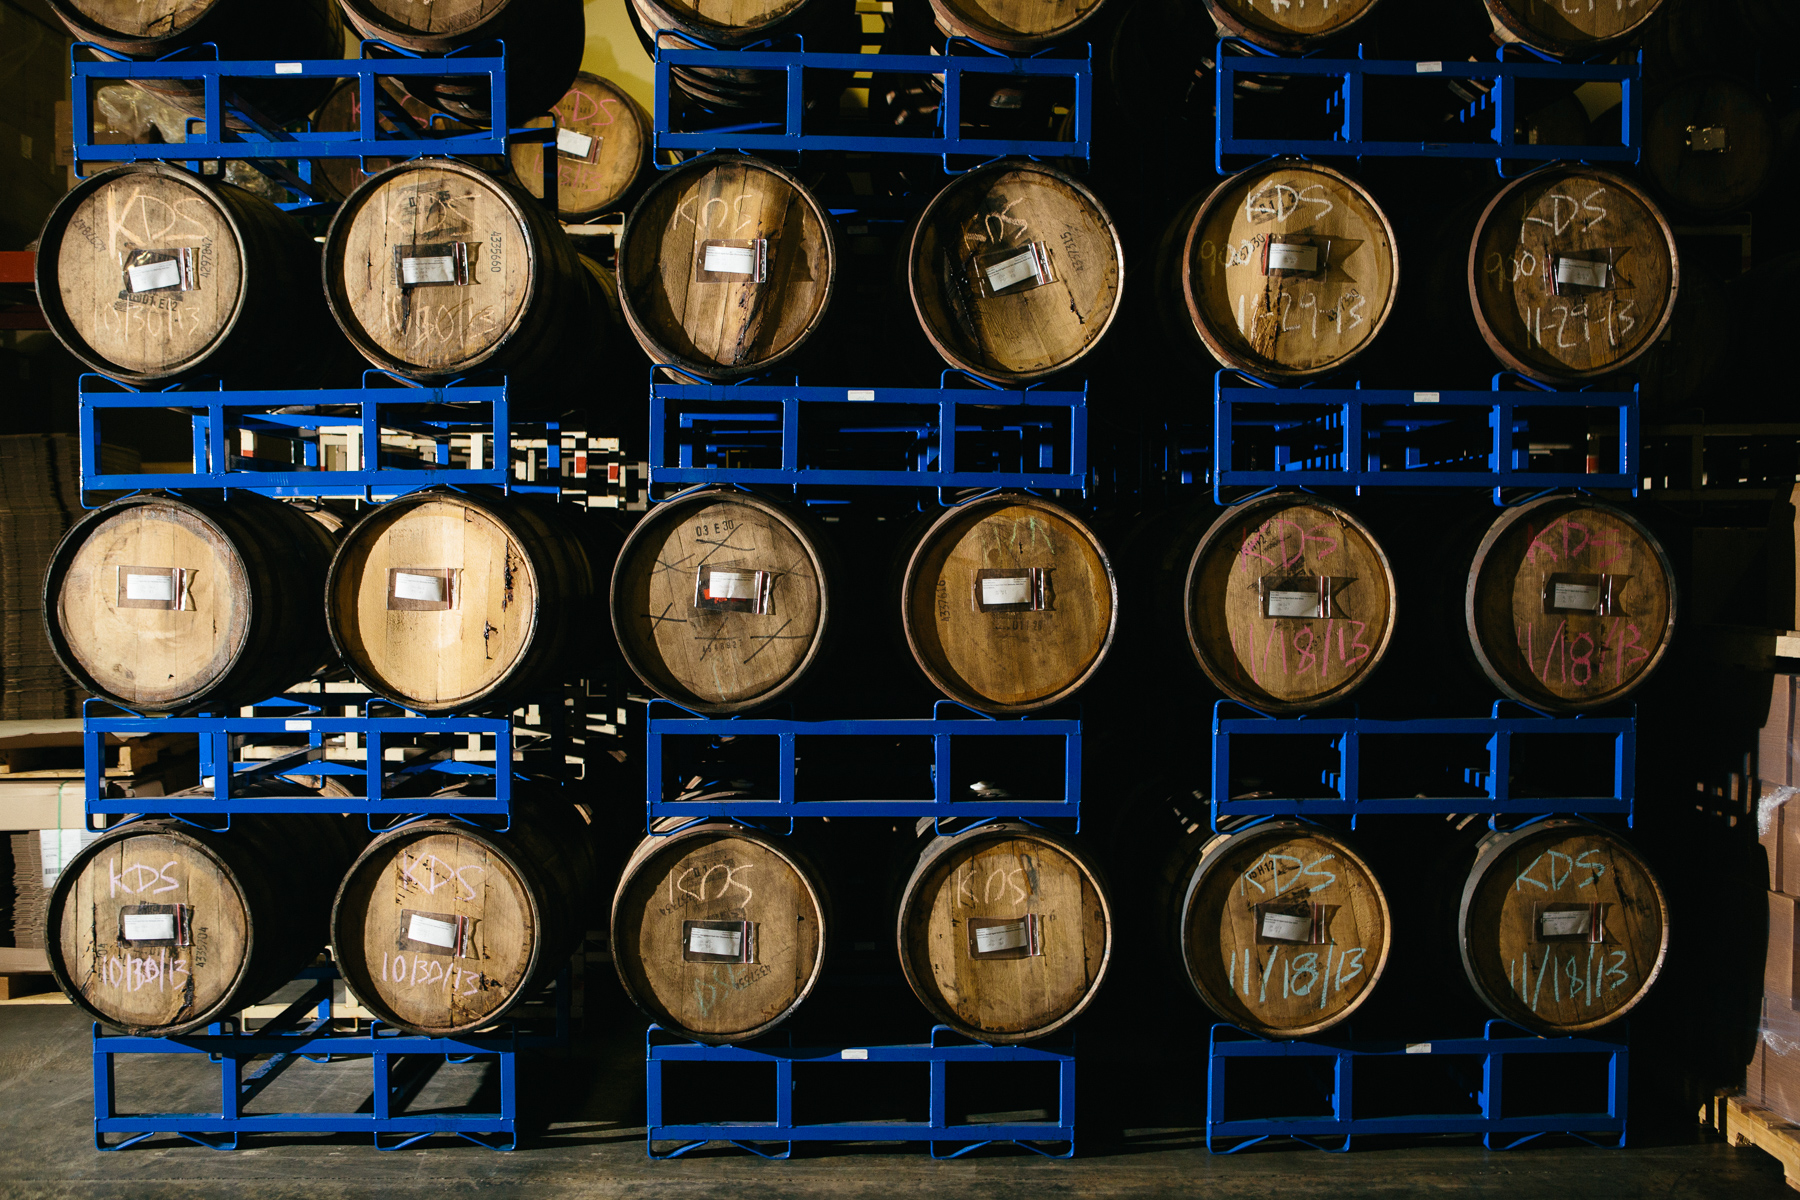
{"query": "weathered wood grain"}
[(594, 177), (1565, 29), (1283, 25), (1014, 26)]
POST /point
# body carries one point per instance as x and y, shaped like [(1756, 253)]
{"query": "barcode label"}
[(1427, 68), (1568, 923), (1425, 397), (1578, 273), (1006, 590), (1584, 596), (431, 931), (419, 587), (731, 260), (1293, 604), (864, 396), (150, 587), (152, 276), (1286, 927), (727, 942), (149, 927), (575, 145), (1019, 267), (287, 68), (991, 938), (1292, 256)]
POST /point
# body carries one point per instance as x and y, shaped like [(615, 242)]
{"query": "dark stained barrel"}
[(602, 149), (1709, 145), (163, 927), (1015, 26), (1568, 30), (167, 604), (1285, 27)]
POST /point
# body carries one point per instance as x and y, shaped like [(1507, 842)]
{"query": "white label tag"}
[(150, 276), (418, 587), (1571, 923), (287, 68), (1425, 397), (854, 1055), (576, 145), (1291, 256), (730, 585), (1575, 595), (990, 938), (1427, 68), (431, 931), (729, 942), (866, 397), (297, 726), (1293, 604), (149, 927), (1418, 1047), (731, 260), (437, 268), (1287, 928), (1581, 274), (1020, 266), (1014, 590), (149, 587)]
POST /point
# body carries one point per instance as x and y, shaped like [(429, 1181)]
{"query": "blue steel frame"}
[(217, 415), (942, 732), (783, 1129), (1349, 141), (1355, 431), (303, 1031), (708, 421), (1495, 779), (1493, 1047), (946, 141), (217, 733)]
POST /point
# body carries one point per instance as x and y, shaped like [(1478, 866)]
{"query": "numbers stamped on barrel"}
[(131, 973), (726, 978)]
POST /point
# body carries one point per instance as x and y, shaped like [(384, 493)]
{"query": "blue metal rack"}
[(303, 1032), (1499, 1041), (1501, 76), (948, 139), (1381, 438), (786, 803), (935, 1129), (1494, 777), (922, 437)]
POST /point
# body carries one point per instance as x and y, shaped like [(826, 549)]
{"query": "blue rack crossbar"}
[(1499, 1041), (942, 732), (1348, 140), (373, 736), (937, 1128), (303, 1032), (1338, 436), (1494, 777), (947, 140), (701, 433), (479, 413)]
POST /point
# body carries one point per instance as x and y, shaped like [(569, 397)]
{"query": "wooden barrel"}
[(1283, 929), (1570, 604), (241, 29), (1287, 270), (342, 113), (602, 149), (718, 931), (721, 599), (435, 269), (1005, 931), (1568, 30), (1287, 28), (1290, 603), (1563, 927), (449, 600), (162, 927), (1015, 26), (442, 927), (166, 604), (149, 273), (732, 24), (726, 266), (1015, 270), (544, 43), (1572, 273), (1009, 603), (1709, 145)]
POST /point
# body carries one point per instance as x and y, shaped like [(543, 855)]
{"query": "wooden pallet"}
[(1748, 1125)]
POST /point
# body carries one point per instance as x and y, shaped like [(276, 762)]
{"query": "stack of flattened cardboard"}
[(40, 497), (1773, 1078)]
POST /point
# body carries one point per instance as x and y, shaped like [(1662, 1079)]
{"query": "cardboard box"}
[(1778, 830), (1773, 1078)]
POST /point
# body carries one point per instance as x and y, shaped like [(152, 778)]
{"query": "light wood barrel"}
[(1563, 927), (1709, 145), (1015, 26), (1567, 30), (602, 149), (1005, 932), (1572, 272), (435, 269), (446, 601), (1290, 603), (721, 599), (162, 927), (241, 29), (1288, 28), (442, 927), (718, 931), (149, 273), (544, 43), (164, 604), (726, 267), (1286, 271), (1284, 930), (1570, 604), (1009, 603), (1016, 271)]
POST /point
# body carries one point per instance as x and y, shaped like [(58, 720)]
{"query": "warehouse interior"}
[(609, 594)]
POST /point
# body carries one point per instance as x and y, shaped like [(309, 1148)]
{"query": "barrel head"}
[(600, 148), (1016, 26), (1277, 25)]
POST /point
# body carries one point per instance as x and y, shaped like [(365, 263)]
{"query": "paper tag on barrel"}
[(732, 260), (718, 941), (1593, 272), (1001, 589), (733, 589), (1572, 923), (1006, 937), (159, 270), (147, 925), (1598, 595), (1306, 597), (156, 587), (432, 263), (421, 589), (435, 933), (1305, 923), (1008, 272), (1301, 256), (580, 146)]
